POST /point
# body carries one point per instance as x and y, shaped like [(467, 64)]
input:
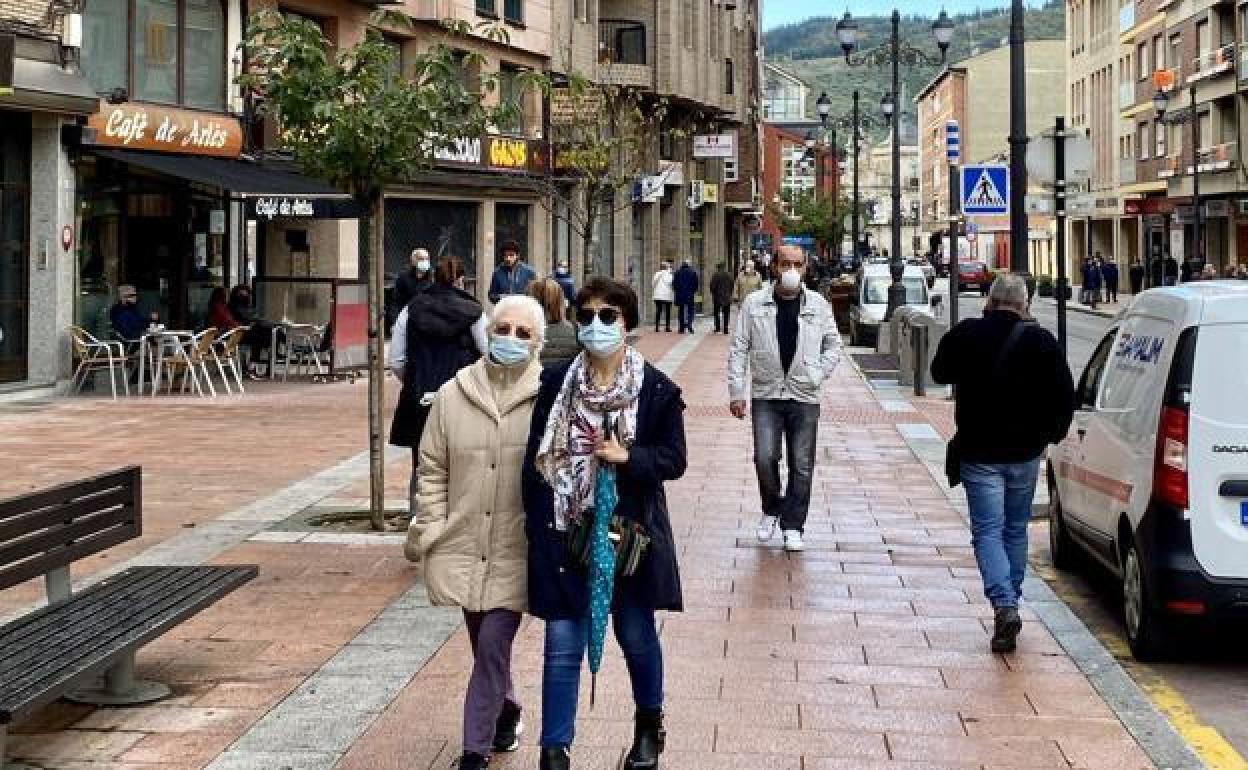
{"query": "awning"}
[(268, 192), (44, 86)]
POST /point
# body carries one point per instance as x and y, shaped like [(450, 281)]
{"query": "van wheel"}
[(1061, 545), (1146, 628)]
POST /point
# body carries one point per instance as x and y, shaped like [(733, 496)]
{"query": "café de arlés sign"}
[(137, 126)]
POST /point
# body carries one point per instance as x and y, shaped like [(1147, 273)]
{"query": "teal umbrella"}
[(601, 570)]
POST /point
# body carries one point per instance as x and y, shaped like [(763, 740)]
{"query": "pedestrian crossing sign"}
[(985, 190)]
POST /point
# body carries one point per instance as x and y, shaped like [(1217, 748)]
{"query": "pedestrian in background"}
[(1136, 275), (470, 529), (415, 279), (512, 276), (721, 296), (787, 343), (564, 277), (685, 285), (661, 287), (1110, 273), (1014, 397), (442, 330), (749, 281), (1171, 271), (560, 345), (609, 386), (1208, 273)]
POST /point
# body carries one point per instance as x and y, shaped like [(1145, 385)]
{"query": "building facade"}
[(784, 95), (975, 93), (789, 169)]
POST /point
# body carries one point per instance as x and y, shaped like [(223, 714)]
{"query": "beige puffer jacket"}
[(470, 525)]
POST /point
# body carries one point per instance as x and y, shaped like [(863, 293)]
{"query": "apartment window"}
[(487, 8), (1142, 142), (513, 11), (580, 11), (1205, 139), (1159, 133), (396, 49), (623, 42), (686, 23), (1176, 50), (1141, 62), (713, 12), (467, 72), (174, 53), (1159, 53), (731, 173), (1204, 37), (730, 77), (511, 93)]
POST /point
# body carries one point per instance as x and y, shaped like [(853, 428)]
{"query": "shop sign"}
[(648, 189), (673, 172), (715, 146), (566, 108), (1221, 208), (1183, 215), (508, 154), (461, 152), (710, 193), (1132, 207), (272, 207), (137, 126)]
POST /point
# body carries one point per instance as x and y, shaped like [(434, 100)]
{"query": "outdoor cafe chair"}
[(303, 349), (94, 354), (226, 354), (192, 363)]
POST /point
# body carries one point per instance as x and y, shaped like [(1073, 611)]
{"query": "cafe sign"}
[(135, 126), (273, 207), (490, 153)]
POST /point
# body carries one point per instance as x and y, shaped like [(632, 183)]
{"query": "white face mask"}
[(791, 279)]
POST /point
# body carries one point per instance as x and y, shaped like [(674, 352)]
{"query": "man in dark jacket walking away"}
[(721, 295), (1015, 396), (685, 286), (1109, 271), (512, 276), (1136, 276)]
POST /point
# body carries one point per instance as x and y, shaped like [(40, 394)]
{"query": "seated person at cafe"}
[(219, 315), (259, 336), (127, 321)]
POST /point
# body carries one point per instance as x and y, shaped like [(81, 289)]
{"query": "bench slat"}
[(48, 540), (20, 504), (93, 607), (49, 517), (37, 687), (61, 556)]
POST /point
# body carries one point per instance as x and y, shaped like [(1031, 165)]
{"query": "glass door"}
[(14, 244)]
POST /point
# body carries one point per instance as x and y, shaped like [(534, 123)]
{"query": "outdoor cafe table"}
[(293, 331), (156, 344)]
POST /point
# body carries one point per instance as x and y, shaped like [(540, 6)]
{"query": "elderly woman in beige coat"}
[(470, 527)]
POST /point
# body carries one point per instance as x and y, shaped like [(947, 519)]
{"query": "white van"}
[(870, 300), (1152, 480)]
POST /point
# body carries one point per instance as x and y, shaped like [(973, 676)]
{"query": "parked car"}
[(870, 299), (1152, 481), (929, 272), (974, 275)]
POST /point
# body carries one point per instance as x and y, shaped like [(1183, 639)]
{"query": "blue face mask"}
[(509, 351), (600, 340)]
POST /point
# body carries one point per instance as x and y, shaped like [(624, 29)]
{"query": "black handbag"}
[(628, 538), (953, 451)]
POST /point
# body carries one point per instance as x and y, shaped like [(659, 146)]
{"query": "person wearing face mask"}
[(787, 342), (442, 330), (470, 529), (414, 280), (748, 281), (127, 321), (608, 411)]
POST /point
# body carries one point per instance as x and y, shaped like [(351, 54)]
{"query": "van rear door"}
[(1218, 450)]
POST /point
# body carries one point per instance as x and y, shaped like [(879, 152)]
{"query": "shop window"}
[(173, 53), (14, 243)]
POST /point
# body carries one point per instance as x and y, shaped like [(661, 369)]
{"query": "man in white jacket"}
[(786, 337), (661, 286)]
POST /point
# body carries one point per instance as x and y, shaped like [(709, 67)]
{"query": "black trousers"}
[(662, 308), (721, 317)]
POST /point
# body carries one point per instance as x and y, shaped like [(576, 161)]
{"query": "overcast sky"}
[(778, 12)]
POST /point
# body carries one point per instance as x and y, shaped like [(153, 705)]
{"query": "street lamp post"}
[(1160, 101), (895, 53), (1018, 145)]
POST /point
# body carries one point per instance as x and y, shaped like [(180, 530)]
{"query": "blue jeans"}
[(797, 425), (566, 641), (999, 496)]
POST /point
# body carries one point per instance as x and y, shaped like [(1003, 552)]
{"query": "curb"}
[(1075, 307)]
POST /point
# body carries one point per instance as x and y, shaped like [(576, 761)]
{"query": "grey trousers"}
[(491, 634)]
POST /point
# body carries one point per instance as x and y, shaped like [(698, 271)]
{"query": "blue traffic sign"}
[(985, 190), (953, 141)]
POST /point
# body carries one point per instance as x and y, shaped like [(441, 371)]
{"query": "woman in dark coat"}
[(609, 384), (441, 331)]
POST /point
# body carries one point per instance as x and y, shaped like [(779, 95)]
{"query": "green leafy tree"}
[(349, 117), (819, 217)]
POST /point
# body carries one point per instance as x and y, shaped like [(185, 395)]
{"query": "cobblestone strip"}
[(1154, 733)]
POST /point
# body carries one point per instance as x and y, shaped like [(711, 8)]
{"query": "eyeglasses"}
[(507, 329), (608, 315)]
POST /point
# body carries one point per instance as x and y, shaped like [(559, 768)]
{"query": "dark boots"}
[(649, 738), (1006, 626), (509, 729), (472, 761), (555, 758)]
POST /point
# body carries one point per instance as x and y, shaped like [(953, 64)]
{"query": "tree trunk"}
[(587, 238), (376, 368)]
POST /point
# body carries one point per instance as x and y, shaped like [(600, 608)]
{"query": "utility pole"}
[(1198, 258), (857, 204), (1059, 193), (955, 277), (896, 127), (1018, 144)]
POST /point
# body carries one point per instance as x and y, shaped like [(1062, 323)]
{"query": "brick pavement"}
[(866, 651)]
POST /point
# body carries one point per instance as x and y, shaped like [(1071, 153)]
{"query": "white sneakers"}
[(767, 526)]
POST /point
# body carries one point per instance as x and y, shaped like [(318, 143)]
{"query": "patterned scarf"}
[(565, 457)]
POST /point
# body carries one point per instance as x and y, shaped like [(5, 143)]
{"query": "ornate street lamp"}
[(824, 106)]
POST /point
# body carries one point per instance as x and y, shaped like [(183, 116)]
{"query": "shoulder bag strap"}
[(1016, 333)]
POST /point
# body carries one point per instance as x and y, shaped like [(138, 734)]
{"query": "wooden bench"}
[(81, 646)]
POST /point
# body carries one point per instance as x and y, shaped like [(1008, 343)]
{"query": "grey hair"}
[(527, 304), (420, 253), (1009, 289)]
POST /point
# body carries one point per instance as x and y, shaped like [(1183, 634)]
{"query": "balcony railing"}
[(1126, 95), (1126, 17), (1219, 157), (638, 75), (1168, 167), (1213, 63)]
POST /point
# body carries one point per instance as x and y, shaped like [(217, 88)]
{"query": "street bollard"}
[(918, 341)]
